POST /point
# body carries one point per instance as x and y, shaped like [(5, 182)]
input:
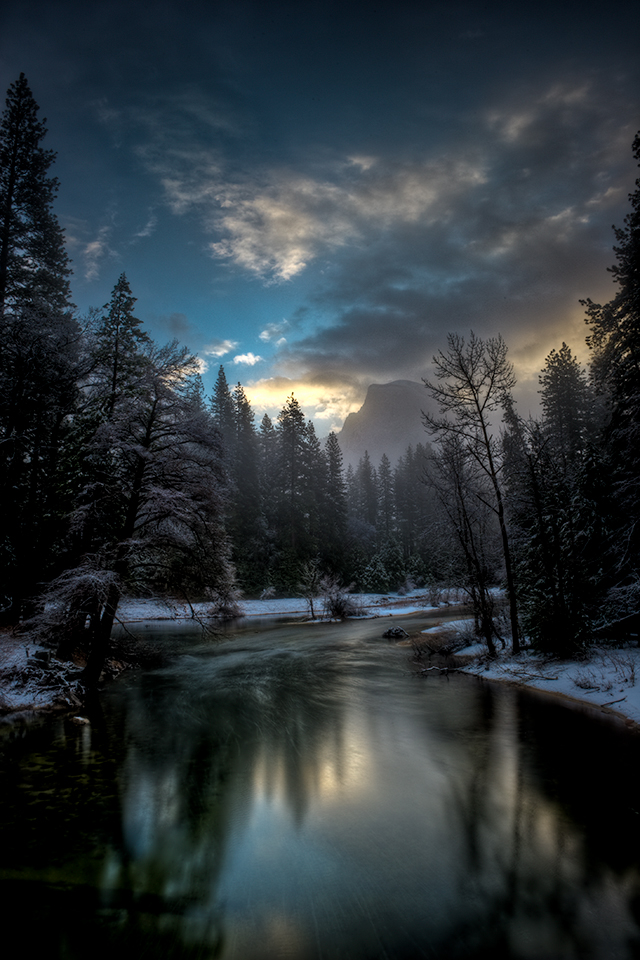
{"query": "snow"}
[(450, 626), (607, 677), (130, 611)]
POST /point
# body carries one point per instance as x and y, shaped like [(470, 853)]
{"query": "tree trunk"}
[(101, 638)]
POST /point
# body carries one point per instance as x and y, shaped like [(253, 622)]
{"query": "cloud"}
[(218, 348), (148, 228), (248, 358), (277, 230), (509, 242), (502, 225), (275, 331), (111, 118), (96, 252), (177, 324)]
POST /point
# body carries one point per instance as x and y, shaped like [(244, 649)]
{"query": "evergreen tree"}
[(292, 492), (414, 502), (34, 268), (223, 412), (367, 494), (150, 512), (557, 536), (334, 538), (118, 357), (38, 359), (393, 562), (316, 479), (351, 492), (407, 490), (268, 470), (386, 505), (615, 326), (615, 344), (246, 527), (568, 404)]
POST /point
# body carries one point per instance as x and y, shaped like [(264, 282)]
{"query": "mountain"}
[(387, 422)]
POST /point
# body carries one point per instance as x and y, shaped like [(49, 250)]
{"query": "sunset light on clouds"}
[(316, 197)]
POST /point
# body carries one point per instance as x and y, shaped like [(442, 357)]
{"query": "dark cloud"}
[(334, 191), (512, 250), (176, 324)]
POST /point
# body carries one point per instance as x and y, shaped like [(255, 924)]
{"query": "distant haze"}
[(389, 420)]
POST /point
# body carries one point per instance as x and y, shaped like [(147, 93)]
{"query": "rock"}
[(395, 633)]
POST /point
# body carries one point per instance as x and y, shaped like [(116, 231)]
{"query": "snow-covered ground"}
[(372, 605), (607, 677)]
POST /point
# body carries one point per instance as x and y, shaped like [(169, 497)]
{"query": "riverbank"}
[(32, 681), (606, 678)]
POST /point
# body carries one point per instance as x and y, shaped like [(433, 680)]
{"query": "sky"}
[(314, 194)]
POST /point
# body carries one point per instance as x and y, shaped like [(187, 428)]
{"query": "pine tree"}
[(38, 359), (557, 538), (335, 519), (316, 478), (615, 326), (34, 267), (386, 505), (292, 442), (223, 413), (150, 514), (268, 482), (365, 479), (568, 404), (119, 360), (615, 343), (245, 526)]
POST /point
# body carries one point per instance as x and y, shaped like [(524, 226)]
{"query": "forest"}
[(118, 475)]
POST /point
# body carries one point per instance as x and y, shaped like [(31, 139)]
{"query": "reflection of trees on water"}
[(194, 739), (523, 877), (537, 873), (439, 819)]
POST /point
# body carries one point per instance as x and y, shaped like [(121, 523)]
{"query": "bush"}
[(338, 604)]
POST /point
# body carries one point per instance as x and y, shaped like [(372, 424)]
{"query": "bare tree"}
[(460, 488), (474, 379)]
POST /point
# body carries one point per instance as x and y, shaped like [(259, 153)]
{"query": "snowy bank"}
[(372, 605), (31, 680), (606, 677)]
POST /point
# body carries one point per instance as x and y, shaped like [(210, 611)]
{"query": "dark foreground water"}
[(300, 793)]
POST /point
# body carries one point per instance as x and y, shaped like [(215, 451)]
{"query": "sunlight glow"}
[(329, 404)]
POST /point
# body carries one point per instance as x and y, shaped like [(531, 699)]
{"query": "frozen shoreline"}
[(373, 605), (607, 679), (28, 687)]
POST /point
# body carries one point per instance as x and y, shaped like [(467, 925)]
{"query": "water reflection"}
[(300, 793)]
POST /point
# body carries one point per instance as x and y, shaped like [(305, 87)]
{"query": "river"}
[(298, 791)]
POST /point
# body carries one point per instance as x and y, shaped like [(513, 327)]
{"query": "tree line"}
[(118, 474), (290, 502), (548, 506)]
